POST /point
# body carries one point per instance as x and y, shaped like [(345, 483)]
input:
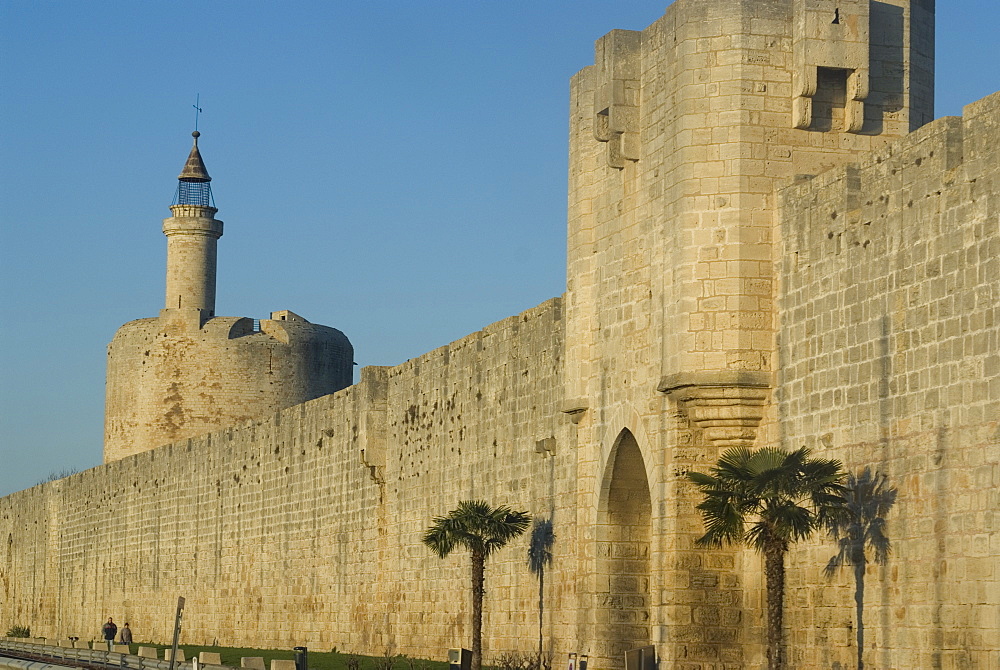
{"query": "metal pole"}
[(301, 662), (177, 631)]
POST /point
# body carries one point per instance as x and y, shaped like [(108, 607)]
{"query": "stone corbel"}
[(574, 407), (616, 97), (546, 446), (726, 407)]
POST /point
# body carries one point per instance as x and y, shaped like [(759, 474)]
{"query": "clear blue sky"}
[(396, 170)]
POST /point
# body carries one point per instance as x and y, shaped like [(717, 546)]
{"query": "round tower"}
[(188, 371)]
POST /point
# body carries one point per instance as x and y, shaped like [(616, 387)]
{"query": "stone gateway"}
[(770, 242)]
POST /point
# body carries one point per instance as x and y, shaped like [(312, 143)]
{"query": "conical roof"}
[(194, 170)]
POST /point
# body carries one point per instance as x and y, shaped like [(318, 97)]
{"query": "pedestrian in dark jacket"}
[(109, 630)]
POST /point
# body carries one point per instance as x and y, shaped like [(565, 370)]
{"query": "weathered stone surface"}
[(889, 305), (164, 385)]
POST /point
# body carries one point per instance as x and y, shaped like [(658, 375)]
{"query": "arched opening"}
[(623, 541)]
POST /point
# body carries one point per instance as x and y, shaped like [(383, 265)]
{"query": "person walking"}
[(109, 630), (126, 634)]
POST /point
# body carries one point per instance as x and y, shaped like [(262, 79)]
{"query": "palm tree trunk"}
[(859, 603), (478, 590), (774, 572)]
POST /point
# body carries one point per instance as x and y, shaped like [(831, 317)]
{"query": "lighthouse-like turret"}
[(192, 237), (188, 371)]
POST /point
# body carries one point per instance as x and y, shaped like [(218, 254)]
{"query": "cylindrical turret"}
[(192, 234)]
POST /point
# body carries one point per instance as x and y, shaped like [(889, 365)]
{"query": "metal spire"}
[(194, 169)]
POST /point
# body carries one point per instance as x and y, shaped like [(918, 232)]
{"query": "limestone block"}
[(124, 649), (252, 662), (143, 652), (180, 655), (282, 664), (209, 658)]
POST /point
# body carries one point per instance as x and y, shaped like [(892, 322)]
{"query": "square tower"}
[(680, 135)]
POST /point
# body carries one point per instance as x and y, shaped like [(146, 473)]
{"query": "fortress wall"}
[(890, 358), (255, 526), (303, 527), (464, 422)]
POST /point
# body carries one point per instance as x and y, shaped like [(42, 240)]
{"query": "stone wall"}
[(890, 358), (304, 527)]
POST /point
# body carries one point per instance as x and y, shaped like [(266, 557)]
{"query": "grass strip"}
[(318, 660)]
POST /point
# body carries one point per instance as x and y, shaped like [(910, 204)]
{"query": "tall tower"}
[(680, 136), (188, 371), (192, 237)]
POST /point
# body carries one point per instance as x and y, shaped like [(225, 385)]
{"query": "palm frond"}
[(723, 522), (439, 538), (476, 526), (733, 465), (791, 521), (765, 496), (702, 480)]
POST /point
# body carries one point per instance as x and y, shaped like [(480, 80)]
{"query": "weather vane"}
[(197, 110)]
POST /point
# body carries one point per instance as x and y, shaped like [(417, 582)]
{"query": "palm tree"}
[(539, 556), (768, 499), (481, 529), (867, 501)]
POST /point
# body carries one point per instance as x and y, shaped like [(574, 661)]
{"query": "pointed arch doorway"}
[(623, 561)]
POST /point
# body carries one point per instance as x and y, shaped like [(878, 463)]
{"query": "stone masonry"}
[(770, 242)]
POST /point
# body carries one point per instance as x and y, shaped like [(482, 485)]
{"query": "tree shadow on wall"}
[(539, 558)]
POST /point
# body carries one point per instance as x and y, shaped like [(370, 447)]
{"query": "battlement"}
[(859, 205)]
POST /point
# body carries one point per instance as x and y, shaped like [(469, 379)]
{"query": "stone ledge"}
[(715, 379), (574, 408)]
